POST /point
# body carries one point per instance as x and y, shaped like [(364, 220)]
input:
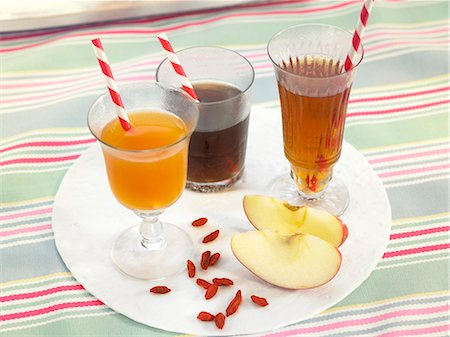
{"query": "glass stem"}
[(151, 230)]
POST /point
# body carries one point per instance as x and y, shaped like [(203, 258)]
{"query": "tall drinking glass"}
[(222, 79), (146, 168), (314, 91)]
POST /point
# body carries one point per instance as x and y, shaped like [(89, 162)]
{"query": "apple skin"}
[(265, 212), (345, 230), (299, 261)]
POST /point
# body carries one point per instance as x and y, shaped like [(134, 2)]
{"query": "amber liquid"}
[(217, 155), (313, 125), (146, 180)]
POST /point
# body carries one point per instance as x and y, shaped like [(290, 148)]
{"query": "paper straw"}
[(357, 36), (185, 83), (111, 84)]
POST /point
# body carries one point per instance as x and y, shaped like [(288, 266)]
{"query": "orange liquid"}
[(146, 180), (313, 127)]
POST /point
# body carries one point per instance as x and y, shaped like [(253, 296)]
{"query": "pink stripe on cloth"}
[(52, 308), (419, 232), (78, 78), (412, 171), (409, 155), (263, 66), (361, 321), (48, 143), (137, 78), (415, 332), (59, 93), (417, 250), (406, 108), (152, 19), (38, 160), (390, 44), (54, 290), (182, 26), (410, 32), (23, 214), (40, 97), (409, 94), (26, 230)]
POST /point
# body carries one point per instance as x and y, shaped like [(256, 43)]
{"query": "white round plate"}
[(87, 219)]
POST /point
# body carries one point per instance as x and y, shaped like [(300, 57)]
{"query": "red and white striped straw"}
[(185, 83), (357, 36), (111, 84)]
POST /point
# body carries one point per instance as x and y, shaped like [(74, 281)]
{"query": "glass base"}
[(154, 262), (209, 187), (334, 200)]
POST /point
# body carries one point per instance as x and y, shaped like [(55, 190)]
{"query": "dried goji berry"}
[(223, 281), (191, 268), (219, 320), (203, 283), (234, 304), (205, 316), (199, 222), (204, 262), (211, 291), (214, 258), (261, 301), (160, 290), (313, 185), (211, 236)]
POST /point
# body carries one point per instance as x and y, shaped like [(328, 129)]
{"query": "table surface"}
[(397, 117)]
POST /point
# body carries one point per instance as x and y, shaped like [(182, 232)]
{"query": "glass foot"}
[(335, 200), (154, 262), (214, 187)]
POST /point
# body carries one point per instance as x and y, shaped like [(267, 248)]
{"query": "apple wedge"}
[(277, 215), (299, 261)]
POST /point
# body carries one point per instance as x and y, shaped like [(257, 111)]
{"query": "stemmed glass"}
[(148, 180), (314, 91)]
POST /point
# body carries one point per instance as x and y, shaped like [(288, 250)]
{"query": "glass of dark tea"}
[(314, 89), (222, 79)]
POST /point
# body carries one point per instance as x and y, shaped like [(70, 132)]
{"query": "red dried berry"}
[(313, 185), (160, 290), (205, 316), (219, 320), (214, 258), (190, 268), (211, 291), (234, 304), (204, 261), (211, 236), (203, 283), (199, 222), (223, 281), (261, 301)]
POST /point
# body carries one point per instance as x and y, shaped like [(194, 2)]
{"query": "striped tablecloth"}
[(397, 117)]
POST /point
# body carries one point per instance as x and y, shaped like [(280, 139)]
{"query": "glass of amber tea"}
[(147, 168), (314, 90), (222, 79)]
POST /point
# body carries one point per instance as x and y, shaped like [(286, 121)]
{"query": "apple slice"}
[(299, 261), (270, 213)]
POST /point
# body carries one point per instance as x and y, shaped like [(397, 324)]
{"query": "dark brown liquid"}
[(313, 127), (219, 154)]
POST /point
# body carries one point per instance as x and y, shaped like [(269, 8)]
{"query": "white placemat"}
[(87, 219)]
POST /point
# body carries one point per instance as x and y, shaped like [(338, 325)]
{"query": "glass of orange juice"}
[(147, 169)]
